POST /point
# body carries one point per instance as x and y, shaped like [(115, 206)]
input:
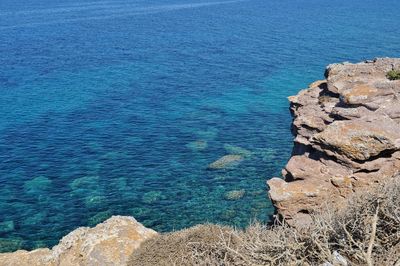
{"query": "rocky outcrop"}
[(347, 137), (109, 243)]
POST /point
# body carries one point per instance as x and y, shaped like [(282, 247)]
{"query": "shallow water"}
[(118, 107)]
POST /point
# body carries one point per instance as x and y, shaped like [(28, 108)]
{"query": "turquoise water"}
[(118, 107)]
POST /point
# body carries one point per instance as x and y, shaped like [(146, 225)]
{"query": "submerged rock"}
[(109, 243), (37, 218), (6, 226), (226, 161), (228, 215), (347, 137), (94, 200), (99, 218), (85, 183), (37, 185), (209, 134), (234, 194), (121, 184), (257, 192), (221, 178), (197, 145), (152, 196), (267, 154), (231, 149), (7, 244)]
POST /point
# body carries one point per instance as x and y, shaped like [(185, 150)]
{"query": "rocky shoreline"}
[(109, 243), (347, 137)]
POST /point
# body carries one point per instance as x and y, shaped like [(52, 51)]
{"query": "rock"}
[(99, 218), (109, 243), (37, 257), (234, 194), (231, 149), (359, 139), (37, 218), (226, 161), (7, 244), (197, 145), (209, 134), (94, 201), (37, 185), (152, 196), (342, 182), (294, 200), (257, 192), (6, 226), (228, 215), (85, 183), (267, 154), (347, 137), (338, 259), (221, 178)]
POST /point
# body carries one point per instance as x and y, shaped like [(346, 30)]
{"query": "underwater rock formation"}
[(109, 243), (347, 137), (197, 145), (234, 194), (231, 149), (226, 161)]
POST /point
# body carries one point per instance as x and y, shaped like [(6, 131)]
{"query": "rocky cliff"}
[(109, 243), (347, 137)]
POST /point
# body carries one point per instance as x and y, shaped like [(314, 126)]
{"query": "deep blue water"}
[(118, 107)]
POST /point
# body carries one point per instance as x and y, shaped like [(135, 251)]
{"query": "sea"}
[(112, 107)]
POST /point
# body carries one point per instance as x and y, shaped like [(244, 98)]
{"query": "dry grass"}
[(182, 247), (367, 232)]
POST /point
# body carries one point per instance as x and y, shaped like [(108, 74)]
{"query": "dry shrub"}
[(186, 247), (366, 232)]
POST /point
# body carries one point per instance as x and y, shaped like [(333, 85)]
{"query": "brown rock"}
[(359, 93), (350, 113), (359, 139), (109, 243), (37, 257), (317, 83), (347, 137), (301, 167), (342, 182), (294, 199)]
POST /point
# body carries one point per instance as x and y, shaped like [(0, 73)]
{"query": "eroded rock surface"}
[(109, 243), (347, 136)]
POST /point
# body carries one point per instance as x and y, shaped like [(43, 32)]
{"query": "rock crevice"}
[(347, 137)]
